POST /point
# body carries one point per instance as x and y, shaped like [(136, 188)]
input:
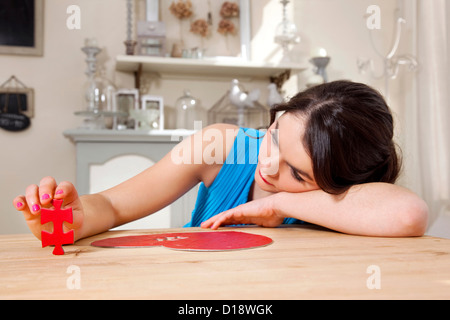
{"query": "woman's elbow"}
[(414, 217)]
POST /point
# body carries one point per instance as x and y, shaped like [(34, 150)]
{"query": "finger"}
[(20, 203), (216, 224), (224, 218), (47, 188), (211, 221), (206, 224), (232, 216), (66, 190), (32, 199)]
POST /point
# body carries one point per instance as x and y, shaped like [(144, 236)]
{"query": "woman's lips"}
[(267, 182)]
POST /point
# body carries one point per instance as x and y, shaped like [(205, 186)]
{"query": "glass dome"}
[(189, 110), (240, 108), (99, 94)]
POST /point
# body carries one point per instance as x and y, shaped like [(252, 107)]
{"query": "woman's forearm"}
[(99, 215), (375, 209)]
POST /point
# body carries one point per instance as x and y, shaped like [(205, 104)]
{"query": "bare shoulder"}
[(221, 134), (217, 141), (222, 127)]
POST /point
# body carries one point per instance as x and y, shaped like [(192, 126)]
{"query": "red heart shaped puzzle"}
[(190, 241)]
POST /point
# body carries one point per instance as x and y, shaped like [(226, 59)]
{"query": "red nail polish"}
[(59, 192), (19, 204), (35, 208), (45, 196)]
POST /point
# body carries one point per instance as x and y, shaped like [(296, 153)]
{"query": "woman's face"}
[(283, 163)]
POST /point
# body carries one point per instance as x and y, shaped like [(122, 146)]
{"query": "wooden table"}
[(303, 262)]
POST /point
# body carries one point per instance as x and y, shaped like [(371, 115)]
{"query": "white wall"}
[(57, 77)]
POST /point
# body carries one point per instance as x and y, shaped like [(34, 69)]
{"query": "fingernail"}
[(45, 196), (19, 204), (35, 208), (59, 192)]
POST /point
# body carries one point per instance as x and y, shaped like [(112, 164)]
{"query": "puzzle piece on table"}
[(190, 241), (57, 217)]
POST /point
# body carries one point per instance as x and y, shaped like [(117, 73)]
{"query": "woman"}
[(329, 160)]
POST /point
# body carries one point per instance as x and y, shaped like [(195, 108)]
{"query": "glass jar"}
[(189, 111)]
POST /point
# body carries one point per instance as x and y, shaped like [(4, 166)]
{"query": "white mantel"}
[(88, 135)]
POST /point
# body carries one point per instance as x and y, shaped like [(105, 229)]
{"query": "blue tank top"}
[(234, 180)]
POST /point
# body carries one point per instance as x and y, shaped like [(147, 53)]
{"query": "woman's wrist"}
[(276, 204)]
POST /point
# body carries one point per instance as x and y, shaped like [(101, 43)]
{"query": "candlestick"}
[(129, 42)]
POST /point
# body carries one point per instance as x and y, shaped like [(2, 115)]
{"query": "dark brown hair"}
[(348, 135)]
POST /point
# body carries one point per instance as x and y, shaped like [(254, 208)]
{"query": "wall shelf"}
[(217, 68)]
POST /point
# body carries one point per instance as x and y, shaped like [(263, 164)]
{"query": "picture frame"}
[(150, 102), (17, 101), (22, 28), (127, 100)]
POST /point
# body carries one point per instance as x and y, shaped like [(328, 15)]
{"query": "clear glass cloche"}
[(189, 110), (241, 108), (99, 93)]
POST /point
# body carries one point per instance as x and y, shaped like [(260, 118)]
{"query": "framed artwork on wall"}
[(21, 27)]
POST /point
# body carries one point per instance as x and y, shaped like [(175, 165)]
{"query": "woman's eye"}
[(296, 175)]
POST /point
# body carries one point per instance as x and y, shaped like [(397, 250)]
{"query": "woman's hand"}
[(260, 212), (38, 197)]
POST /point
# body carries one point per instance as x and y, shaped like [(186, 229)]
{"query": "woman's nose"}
[(269, 165)]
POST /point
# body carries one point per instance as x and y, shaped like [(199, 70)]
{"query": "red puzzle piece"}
[(58, 237), (192, 241)]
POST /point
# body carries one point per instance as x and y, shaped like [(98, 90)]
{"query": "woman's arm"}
[(374, 209), (163, 183), (144, 194), (135, 198)]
